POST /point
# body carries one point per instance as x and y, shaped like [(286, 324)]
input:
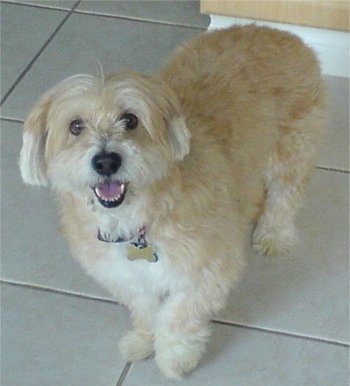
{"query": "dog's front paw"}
[(175, 357), (136, 345)]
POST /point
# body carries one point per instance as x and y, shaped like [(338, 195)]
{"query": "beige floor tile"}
[(335, 151), (24, 30), (306, 292), (241, 357), (173, 12), (49, 339), (116, 44)]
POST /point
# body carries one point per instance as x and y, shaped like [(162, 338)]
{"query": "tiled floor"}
[(287, 323)]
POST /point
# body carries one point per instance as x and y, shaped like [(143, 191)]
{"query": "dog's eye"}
[(76, 126), (130, 121)]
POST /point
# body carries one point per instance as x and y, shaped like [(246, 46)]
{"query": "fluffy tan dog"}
[(178, 168)]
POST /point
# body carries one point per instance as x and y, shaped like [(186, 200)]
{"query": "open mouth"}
[(110, 194)]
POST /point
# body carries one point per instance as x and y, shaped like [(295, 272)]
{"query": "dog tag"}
[(144, 253)]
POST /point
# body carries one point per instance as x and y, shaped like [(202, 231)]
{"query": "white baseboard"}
[(331, 47)]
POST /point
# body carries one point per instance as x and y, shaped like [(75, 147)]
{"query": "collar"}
[(138, 247), (107, 237)]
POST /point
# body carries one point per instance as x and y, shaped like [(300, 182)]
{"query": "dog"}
[(162, 179)]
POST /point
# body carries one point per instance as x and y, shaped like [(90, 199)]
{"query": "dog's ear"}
[(178, 133), (32, 160), (179, 138)]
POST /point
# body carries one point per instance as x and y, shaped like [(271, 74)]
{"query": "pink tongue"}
[(109, 190)]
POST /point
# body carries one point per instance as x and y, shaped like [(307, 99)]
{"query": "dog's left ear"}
[(163, 98), (179, 138), (179, 135)]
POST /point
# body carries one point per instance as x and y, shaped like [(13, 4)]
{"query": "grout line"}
[(215, 321), (330, 169), (124, 373), (128, 365), (134, 18), (29, 66), (32, 5), (59, 291), (92, 13), (8, 119), (282, 333), (326, 168)]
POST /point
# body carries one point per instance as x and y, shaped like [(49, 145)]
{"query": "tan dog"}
[(178, 168)]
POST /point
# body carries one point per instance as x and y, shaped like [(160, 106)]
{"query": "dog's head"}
[(103, 138)]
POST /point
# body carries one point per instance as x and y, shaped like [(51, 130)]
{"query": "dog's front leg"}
[(137, 343), (181, 332)]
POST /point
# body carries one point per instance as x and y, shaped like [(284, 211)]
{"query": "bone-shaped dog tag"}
[(145, 253)]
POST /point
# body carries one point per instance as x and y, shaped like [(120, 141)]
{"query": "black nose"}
[(106, 164)]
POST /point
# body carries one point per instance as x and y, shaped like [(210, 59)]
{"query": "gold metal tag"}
[(144, 253)]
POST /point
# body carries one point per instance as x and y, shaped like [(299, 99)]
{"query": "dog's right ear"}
[(32, 156)]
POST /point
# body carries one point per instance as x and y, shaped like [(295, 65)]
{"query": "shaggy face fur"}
[(185, 162)]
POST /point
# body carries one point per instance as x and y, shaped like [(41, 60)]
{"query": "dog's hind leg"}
[(286, 177)]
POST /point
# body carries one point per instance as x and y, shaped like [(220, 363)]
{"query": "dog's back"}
[(245, 60), (258, 94)]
